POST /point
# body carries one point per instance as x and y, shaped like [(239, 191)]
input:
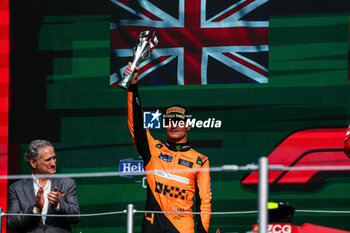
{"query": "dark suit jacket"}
[(21, 199)]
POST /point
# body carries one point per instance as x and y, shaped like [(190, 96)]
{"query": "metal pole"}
[(263, 194), (130, 219), (1, 214)]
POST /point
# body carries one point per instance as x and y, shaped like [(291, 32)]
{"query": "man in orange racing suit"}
[(167, 190)]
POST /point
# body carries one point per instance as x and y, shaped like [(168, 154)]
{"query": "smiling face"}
[(46, 164), (176, 132)]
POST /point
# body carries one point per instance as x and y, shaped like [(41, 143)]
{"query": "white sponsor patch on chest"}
[(171, 176)]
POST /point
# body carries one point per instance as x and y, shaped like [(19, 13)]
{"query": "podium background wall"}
[(59, 91)]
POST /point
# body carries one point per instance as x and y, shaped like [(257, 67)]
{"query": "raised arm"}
[(140, 136)]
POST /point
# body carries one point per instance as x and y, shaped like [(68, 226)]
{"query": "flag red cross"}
[(193, 37)]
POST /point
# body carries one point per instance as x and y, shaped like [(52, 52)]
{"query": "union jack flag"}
[(199, 42)]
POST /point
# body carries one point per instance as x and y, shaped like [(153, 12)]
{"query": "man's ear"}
[(32, 163), (188, 128)]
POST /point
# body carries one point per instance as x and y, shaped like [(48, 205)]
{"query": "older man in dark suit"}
[(42, 195)]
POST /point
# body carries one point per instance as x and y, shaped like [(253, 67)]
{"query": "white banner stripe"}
[(169, 176)]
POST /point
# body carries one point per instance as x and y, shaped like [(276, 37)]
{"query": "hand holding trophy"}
[(143, 49)]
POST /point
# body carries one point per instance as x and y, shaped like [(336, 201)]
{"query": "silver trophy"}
[(143, 49)]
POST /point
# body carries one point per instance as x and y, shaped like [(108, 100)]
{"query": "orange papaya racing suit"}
[(167, 190)]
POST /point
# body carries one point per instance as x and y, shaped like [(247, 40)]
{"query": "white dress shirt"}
[(47, 189)]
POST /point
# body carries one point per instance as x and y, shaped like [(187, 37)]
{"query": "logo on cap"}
[(175, 109)]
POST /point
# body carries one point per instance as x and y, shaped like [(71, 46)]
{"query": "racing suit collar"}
[(178, 146)]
